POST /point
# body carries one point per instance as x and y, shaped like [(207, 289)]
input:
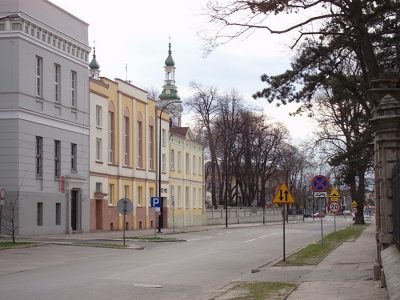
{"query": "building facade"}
[(123, 156), (44, 118), (186, 180)]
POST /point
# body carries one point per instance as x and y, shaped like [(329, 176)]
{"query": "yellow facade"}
[(186, 179), (122, 168)]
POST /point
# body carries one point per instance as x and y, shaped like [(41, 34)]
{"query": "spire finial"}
[(169, 45)]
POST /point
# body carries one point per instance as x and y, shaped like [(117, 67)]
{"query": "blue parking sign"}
[(155, 202)]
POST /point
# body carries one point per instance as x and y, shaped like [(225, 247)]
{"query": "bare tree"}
[(203, 104), (10, 215)]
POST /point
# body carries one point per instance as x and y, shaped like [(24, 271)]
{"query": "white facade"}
[(44, 117)]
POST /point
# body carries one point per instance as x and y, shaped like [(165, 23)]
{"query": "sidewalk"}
[(346, 273)]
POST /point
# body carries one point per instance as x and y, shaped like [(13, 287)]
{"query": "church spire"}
[(94, 66), (170, 91)]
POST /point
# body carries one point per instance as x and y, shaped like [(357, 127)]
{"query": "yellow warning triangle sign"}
[(334, 193), (283, 195)]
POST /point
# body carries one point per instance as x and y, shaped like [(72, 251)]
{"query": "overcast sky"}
[(135, 33)]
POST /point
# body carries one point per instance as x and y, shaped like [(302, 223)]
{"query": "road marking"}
[(262, 237)]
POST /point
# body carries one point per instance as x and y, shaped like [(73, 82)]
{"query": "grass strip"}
[(260, 290), (314, 253), (11, 245)]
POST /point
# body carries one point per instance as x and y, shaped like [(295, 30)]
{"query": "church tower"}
[(170, 91), (94, 67)]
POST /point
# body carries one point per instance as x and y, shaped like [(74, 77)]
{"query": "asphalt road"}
[(194, 269)]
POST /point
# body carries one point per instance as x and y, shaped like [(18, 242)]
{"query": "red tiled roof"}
[(179, 130)]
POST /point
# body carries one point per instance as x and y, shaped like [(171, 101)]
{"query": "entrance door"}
[(99, 214), (74, 209)]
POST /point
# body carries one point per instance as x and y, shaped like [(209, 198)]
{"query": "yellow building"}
[(123, 152), (186, 179), (128, 133)]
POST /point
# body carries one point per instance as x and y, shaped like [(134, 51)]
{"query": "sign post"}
[(2, 197), (335, 205), (283, 196), (155, 202), (124, 207), (320, 184)]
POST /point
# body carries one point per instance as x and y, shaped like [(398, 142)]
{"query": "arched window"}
[(111, 132), (151, 143), (140, 140), (126, 137)]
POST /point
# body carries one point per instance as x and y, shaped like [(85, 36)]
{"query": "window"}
[(99, 112), (194, 204), (126, 141), (73, 158), (57, 83), (194, 165), (139, 195), (200, 168), (99, 146), (126, 191), (99, 187), (163, 138), (151, 147), (39, 76), (110, 194), (111, 137), (151, 192), (39, 156), (187, 197), (73, 89), (57, 159), (39, 219), (179, 196), (179, 161), (187, 163), (172, 160), (172, 196), (199, 198), (58, 213), (139, 144), (163, 163)]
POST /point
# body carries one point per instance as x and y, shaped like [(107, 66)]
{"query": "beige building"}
[(186, 179), (123, 154)]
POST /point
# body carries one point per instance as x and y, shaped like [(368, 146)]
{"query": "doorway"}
[(99, 214), (74, 209)]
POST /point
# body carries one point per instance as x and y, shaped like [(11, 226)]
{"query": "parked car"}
[(307, 215), (318, 215)]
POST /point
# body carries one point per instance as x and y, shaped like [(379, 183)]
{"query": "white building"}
[(44, 118)]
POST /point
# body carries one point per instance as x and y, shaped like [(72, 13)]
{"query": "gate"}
[(396, 204)]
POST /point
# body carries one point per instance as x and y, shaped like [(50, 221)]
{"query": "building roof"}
[(179, 130)]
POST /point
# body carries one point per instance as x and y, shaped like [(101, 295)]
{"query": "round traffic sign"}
[(334, 207), (124, 206), (320, 183), (354, 210)]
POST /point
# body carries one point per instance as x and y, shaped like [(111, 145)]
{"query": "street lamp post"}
[(160, 217)]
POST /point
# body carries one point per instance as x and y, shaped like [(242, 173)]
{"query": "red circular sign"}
[(334, 207), (320, 183)]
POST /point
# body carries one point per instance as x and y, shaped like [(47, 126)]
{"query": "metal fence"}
[(396, 204)]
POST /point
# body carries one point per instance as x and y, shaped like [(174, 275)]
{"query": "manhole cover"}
[(148, 285)]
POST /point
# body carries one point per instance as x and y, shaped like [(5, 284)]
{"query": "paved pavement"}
[(346, 273)]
